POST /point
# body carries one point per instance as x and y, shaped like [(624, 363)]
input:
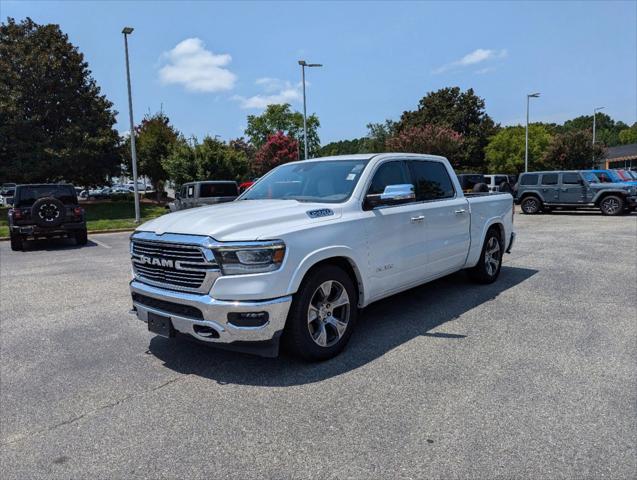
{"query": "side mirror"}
[(392, 195)]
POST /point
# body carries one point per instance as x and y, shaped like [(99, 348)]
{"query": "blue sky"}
[(210, 64)]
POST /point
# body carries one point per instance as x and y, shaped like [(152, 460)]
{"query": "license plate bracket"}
[(160, 325)]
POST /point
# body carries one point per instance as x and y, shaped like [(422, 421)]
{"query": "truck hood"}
[(243, 220)]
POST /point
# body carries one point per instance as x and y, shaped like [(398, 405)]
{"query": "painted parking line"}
[(101, 244)]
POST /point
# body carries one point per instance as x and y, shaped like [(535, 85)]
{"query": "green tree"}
[(572, 151), (342, 147), (54, 122), (211, 159), (463, 112), (180, 164), (154, 139), (606, 129), (505, 151), (628, 135), (217, 160), (377, 136), (281, 118), (431, 139)]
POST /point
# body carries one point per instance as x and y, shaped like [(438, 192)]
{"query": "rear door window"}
[(431, 180), (571, 178), (549, 179), (207, 190)]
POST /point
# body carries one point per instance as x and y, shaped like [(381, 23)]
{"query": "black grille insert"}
[(170, 307)]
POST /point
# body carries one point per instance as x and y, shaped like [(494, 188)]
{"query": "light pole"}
[(127, 31), (595, 110), (526, 141), (304, 64)]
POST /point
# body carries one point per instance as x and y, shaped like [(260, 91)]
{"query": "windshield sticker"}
[(351, 176)]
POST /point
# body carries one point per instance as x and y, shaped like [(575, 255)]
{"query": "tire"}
[(531, 205), (505, 187), (315, 329), (48, 212), (480, 188), (488, 267), (81, 237), (611, 205), (16, 242)]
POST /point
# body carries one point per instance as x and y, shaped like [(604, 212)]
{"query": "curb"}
[(91, 232)]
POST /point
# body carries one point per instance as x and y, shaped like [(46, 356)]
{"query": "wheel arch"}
[(476, 246), (338, 257), (602, 195)]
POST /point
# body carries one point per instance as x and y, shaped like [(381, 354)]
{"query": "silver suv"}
[(197, 194), (541, 191)]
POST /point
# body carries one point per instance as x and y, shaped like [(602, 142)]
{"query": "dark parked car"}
[(542, 191), (46, 210)]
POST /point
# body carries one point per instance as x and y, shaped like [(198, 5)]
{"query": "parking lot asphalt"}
[(534, 376)]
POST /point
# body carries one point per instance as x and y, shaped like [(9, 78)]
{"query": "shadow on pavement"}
[(382, 326), (54, 244)]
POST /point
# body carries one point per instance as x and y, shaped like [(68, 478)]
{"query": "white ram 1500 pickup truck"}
[(297, 255)]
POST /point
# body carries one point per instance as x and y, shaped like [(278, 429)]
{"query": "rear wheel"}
[(611, 205), (81, 237), (488, 268), (16, 242), (323, 314), (531, 205)]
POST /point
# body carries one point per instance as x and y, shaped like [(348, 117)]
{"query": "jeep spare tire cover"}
[(47, 212)]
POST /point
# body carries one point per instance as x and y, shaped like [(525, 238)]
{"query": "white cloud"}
[(275, 91), (197, 69), (485, 70), (477, 56)]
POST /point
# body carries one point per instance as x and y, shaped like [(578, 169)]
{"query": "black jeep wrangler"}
[(46, 210)]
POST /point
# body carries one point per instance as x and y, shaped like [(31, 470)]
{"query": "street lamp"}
[(127, 31), (595, 110), (526, 142), (304, 64)]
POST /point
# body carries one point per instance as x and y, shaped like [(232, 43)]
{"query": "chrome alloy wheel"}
[(492, 256), (328, 313), (611, 206)]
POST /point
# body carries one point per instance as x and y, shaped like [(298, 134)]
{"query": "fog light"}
[(248, 319)]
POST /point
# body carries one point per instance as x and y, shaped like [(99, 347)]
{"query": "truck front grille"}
[(173, 265)]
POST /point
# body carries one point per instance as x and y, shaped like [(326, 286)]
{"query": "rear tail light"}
[(17, 214), (78, 211)]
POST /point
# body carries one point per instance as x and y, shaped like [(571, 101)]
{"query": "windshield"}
[(590, 177), (310, 181)]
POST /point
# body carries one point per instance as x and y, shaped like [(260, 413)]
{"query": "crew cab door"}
[(395, 235), (572, 189), (447, 218), (550, 188)]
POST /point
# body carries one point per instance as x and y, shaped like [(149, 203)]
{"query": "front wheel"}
[(530, 205), (323, 314), (488, 268), (611, 205)]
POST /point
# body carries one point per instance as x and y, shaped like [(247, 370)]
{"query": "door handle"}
[(417, 219), (462, 210)]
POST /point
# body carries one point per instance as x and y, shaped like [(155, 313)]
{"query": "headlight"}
[(251, 257)]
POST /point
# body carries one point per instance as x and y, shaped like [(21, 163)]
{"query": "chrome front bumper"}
[(215, 314)]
